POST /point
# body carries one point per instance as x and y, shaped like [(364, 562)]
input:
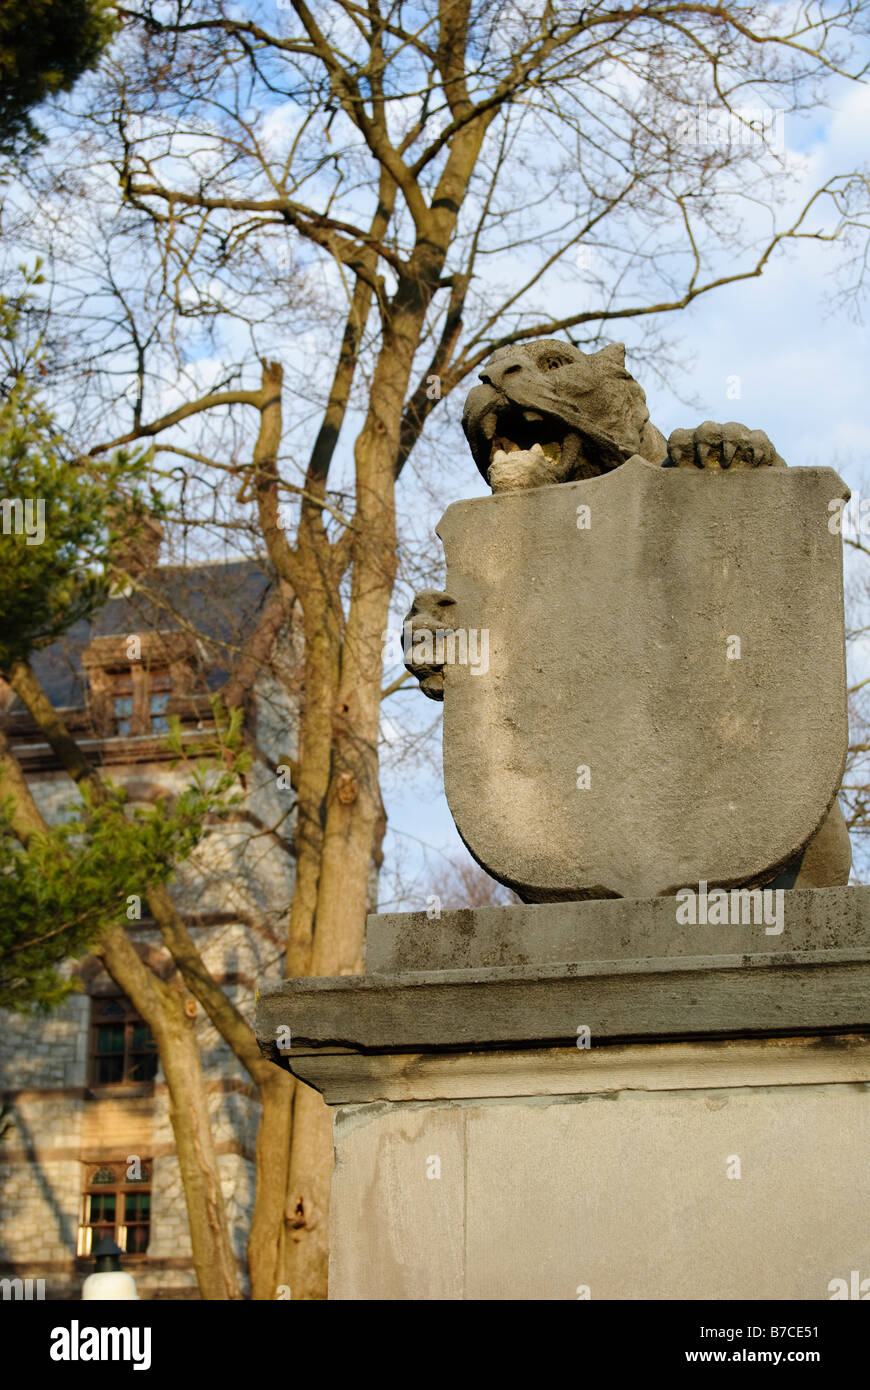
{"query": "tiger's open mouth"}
[(497, 427), (514, 428)]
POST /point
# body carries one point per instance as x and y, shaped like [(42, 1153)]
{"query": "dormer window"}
[(129, 695), (139, 701)]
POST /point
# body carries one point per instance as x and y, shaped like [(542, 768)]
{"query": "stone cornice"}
[(336, 1025), (346, 1078)]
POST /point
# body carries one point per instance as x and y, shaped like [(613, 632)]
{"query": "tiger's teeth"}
[(537, 449)]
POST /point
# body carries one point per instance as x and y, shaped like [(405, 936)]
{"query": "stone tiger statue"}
[(546, 413)]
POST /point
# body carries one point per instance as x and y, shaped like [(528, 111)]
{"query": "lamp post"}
[(108, 1281)]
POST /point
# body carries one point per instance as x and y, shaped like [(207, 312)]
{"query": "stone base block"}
[(713, 1171), (676, 1125)]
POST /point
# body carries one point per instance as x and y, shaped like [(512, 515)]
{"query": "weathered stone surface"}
[(605, 929), (543, 1005), (741, 1193), (608, 650), (827, 857), (358, 1078), (527, 976), (413, 1212)]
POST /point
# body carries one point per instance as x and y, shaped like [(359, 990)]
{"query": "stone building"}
[(87, 1146)]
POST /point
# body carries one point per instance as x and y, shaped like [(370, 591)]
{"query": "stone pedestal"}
[(710, 1142)]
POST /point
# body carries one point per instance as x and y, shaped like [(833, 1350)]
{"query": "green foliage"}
[(45, 46), (68, 885), (58, 522)]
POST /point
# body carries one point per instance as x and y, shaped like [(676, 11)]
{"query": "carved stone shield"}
[(647, 680)]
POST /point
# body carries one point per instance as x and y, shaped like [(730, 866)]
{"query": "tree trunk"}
[(353, 804), (266, 1236), (162, 1007), (306, 1250)]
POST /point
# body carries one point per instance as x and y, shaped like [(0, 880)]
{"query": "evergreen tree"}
[(45, 46)]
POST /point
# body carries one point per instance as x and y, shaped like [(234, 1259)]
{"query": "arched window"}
[(117, 1202)]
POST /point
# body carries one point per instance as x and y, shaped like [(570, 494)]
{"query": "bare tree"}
[(855, 792), (465, 884)]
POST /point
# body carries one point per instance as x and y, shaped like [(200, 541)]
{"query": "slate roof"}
[(220, 601)]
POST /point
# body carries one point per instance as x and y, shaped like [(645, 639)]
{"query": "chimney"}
[(137, 548)]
